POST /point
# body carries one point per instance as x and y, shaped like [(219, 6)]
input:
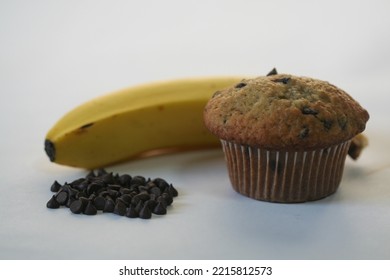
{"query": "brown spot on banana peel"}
[(83, 128), (86, 125), (358, 143)]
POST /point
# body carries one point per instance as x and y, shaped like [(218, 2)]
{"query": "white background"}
[(55, 55)]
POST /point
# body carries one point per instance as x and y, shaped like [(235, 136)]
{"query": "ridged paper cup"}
[(285, 176)]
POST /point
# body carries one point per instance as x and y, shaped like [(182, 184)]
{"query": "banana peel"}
[(154, 117)]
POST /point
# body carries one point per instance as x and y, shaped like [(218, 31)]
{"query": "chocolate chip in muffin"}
[(327, 124), (272, 72), (304, 133), (309, 111), (282, 80), (240, 85)]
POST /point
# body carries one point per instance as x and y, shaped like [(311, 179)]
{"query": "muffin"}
[(285, 137)]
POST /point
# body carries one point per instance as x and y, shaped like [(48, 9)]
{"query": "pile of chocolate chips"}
[(123, 195)]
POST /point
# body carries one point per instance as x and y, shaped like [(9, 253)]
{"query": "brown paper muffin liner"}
[(285, 176)]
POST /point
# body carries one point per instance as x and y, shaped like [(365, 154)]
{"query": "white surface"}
[(55, 55)]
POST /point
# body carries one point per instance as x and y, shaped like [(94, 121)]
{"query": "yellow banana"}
[(125, 124)]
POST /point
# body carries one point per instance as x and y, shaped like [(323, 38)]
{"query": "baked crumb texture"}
[(284, 112)]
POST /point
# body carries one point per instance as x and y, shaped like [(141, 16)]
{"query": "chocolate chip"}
[(120, 200), (282, 80), (120, 208), (82, 186), (172, 191), (92, 197), (327, 124), (53, 203), (139, 206), (114, 187), (62, 197), (72, 192), (77, 206), (93, 187), (104, 193), (143, 188), (153, 197), (99, 202), (272, 72), (160, 209), (304, 133), (70, 201), (125, 179), (84, 200), (163, 201), (109, 206), (155, 190), (81, 195), (168, 198), (77, 182), (161, 183), (134, 188), (90, 209), (131, 212), (151, 204), (151, 184), (65, 187), (107, 178), (126, 198), (139, 180), (309, 111), (145, 213), (143, 196), (99, 181), (55, 187), (113, 193), (124, 190), (135, 200), (240, 85)]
